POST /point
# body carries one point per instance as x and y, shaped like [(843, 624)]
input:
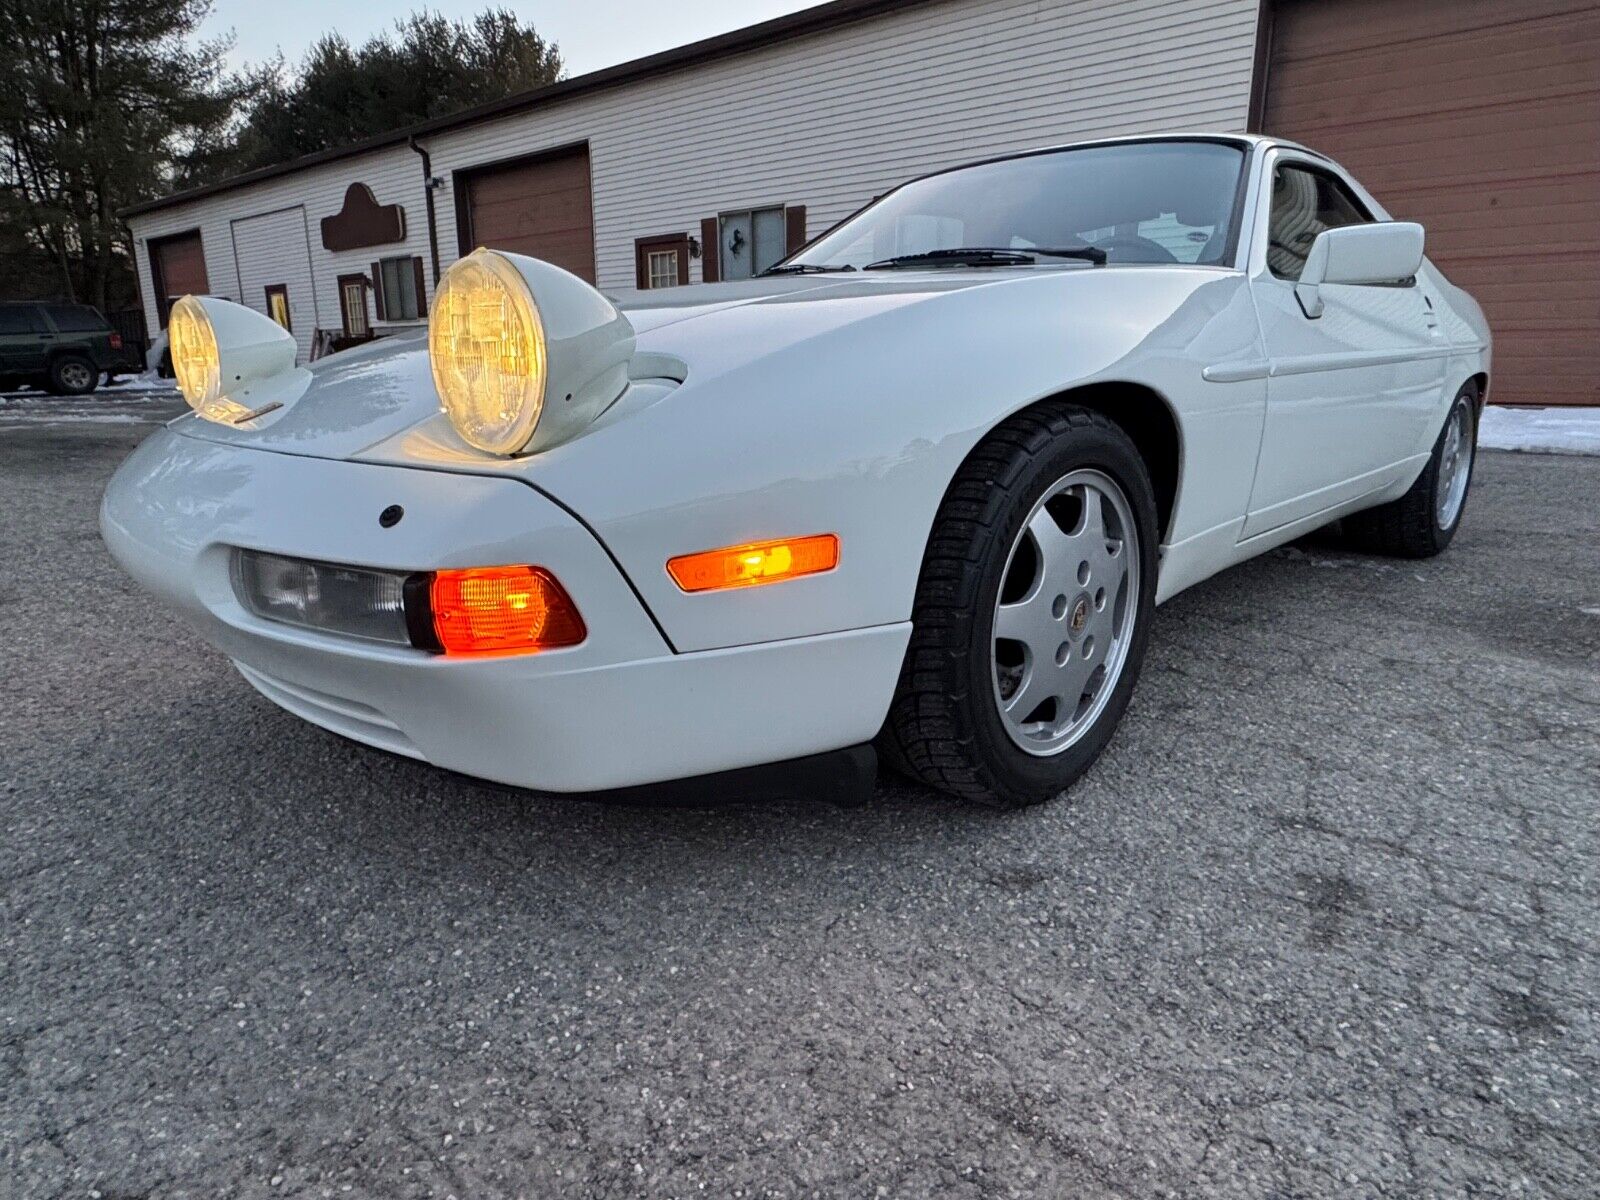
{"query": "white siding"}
[(395, 176), (827, 120), (275, 248)]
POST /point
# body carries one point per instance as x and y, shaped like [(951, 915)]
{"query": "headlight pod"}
[(524, 354), (220, 350)]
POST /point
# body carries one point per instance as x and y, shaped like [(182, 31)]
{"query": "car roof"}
[(1243, 140)]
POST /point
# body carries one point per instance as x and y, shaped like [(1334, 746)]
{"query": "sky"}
[(591, 33)]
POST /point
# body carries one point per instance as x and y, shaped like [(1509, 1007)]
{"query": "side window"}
[(398, 285), (1304, 203), (77, 318), (20, 318)]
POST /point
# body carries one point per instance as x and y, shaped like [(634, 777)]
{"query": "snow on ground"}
[(1542, 430), (131, 402)]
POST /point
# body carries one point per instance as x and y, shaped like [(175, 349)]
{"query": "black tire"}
[(944, 726), (1409, 527), (73, 375)]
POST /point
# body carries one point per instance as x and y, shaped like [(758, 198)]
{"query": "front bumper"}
[(620, 710)]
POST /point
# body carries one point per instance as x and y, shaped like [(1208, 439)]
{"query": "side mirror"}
[(1364, 254)]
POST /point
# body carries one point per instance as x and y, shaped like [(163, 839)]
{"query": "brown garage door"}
[(540, 207), (1481, 119), (177, 268)]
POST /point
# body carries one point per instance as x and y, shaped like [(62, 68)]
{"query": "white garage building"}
[(712, 160)]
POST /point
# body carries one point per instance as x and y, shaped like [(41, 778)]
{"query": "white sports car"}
[(920, 486)]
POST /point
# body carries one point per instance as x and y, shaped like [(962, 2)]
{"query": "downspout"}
[(427, 192)]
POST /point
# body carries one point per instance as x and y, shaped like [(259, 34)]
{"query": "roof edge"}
[(807, 21)]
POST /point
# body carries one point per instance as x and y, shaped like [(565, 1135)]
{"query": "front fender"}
[(852, 416)]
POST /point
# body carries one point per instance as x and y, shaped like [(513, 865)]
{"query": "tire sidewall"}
[(1017, 773), (1442, 537), (58, 383)]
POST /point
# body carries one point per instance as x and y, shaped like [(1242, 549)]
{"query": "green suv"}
[(64, 348)]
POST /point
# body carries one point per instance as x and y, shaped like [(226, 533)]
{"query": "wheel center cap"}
[(1079, 616)]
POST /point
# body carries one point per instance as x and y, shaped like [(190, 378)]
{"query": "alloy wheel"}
[(1065, 615), (1455, 465)]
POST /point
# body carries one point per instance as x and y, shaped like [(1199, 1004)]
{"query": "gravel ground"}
[(1323, 922)]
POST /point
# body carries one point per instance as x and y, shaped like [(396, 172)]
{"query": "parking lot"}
[(1323, 922)]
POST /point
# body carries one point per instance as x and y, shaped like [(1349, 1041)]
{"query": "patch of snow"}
[(148, 381), (1541, 430), (36, 417)]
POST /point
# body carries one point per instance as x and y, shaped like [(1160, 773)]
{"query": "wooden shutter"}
[(710, 236), (794, 228), (377, 289), (422, 289)]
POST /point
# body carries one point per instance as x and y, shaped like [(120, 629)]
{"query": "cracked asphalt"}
[(1323, 921)]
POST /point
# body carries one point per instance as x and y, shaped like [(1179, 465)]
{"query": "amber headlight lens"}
[(487, 348), (195, 359)]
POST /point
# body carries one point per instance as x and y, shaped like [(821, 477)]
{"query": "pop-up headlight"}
[(223, 352), (524, 354)]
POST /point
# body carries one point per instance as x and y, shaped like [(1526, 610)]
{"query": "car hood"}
[(353, 404)]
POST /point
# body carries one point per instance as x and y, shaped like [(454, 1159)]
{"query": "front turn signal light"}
[(502, 610), (755, 563)]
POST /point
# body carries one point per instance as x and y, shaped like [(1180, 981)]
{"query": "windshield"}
[(1139, 202)]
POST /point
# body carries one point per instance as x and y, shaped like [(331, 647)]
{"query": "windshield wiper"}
[(988, 256), (1088, 253), (958, 256), (804, 269)]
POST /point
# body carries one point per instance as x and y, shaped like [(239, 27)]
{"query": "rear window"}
[(20, 318), (76, 318)]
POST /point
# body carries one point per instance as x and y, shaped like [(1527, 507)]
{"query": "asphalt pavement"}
[(1323, 922)]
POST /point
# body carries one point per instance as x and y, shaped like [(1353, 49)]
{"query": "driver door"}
[(1348, 391)]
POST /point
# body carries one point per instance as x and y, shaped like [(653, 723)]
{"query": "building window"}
[(663, 268), (353, 306), (278, 304), (746, 242), (752, 240), (661, 261), (397, 285)]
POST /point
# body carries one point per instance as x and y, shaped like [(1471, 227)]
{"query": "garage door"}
[(177, 269), (273, 254), (1481, 119), (540, 207)]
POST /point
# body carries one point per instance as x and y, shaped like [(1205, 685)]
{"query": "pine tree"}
[(102, 103), (429, 67)]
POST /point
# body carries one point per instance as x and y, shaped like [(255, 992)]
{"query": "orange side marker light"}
[(755, 563), (502, 610)]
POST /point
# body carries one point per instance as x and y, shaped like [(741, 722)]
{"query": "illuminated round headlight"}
[(487, 346), (195, 359)]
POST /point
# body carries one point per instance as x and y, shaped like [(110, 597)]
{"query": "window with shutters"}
[(752, 241), (745, 242), (398, 289)]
